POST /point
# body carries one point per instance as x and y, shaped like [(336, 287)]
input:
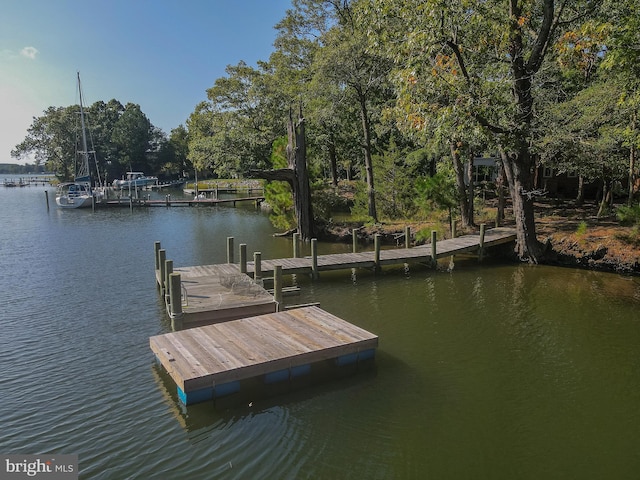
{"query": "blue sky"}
[(160, 54)]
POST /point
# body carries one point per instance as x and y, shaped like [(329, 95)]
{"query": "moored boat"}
[(135, 179), (79, 193)]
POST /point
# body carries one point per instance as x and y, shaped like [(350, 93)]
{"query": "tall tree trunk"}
[(333, 161), (632, 160), (606, 197), (501, 200), (520, 186), (580, 195), (470, 189), (297, 158), (368, 161), (463, 200), (296, 175)]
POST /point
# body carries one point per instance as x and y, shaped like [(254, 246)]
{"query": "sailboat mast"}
[(85, 150)]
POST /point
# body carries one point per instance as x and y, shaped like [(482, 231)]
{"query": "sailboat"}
[(79, 193)]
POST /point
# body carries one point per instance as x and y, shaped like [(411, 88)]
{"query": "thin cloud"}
[(29, 52)]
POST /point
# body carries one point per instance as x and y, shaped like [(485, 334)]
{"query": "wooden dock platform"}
[(210, 361), (218, 293)]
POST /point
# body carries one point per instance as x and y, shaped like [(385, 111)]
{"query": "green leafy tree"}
[(488, 57), (52, 140), (132, 136)]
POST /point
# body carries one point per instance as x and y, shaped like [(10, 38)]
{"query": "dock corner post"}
[(407, 237), (453, 228), (354, 238), (376, 247), (314, 258), (162, 260), (46, 196), (296, 245), (230, 250), (483, 228), (243, 258), (277, 286), (257, 266), (175, 301), (434, 257)]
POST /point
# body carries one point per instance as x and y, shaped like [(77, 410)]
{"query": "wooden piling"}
[(354, 238), (407, 237), (156, 249), (483, 228), (168, 270), (175, 301), (453, 229), (46, 196), (277, 286), (230, 250), (257, 266), (243, 258), (162, 258), (314, 258), (434, 258), (376, 248), (296, 245)]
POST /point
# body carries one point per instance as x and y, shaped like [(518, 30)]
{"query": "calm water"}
[(488, 372)]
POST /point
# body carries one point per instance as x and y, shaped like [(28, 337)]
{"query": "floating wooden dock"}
[(210, 361)]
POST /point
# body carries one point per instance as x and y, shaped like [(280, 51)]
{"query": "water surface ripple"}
[(493, 371)]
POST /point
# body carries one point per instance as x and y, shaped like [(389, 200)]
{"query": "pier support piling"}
[(376, 247), (434, 258), (230, 250), (296, 245), (257, 266), (243, 258), (483, 228), (314, 258), (175, 301), (407, 237), (277, 286), (162, 258), (168, 270)]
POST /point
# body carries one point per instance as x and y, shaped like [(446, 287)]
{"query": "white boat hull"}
[(79, 201)]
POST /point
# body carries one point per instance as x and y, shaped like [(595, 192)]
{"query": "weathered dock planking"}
[(210, 361)]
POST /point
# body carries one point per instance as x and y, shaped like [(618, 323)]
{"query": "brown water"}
[(493, 371)]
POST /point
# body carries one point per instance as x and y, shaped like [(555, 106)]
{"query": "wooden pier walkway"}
[(212, 293), (393, 256), (210, 361)]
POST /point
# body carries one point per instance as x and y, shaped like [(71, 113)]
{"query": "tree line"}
[(402, 95), (122, 137)]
